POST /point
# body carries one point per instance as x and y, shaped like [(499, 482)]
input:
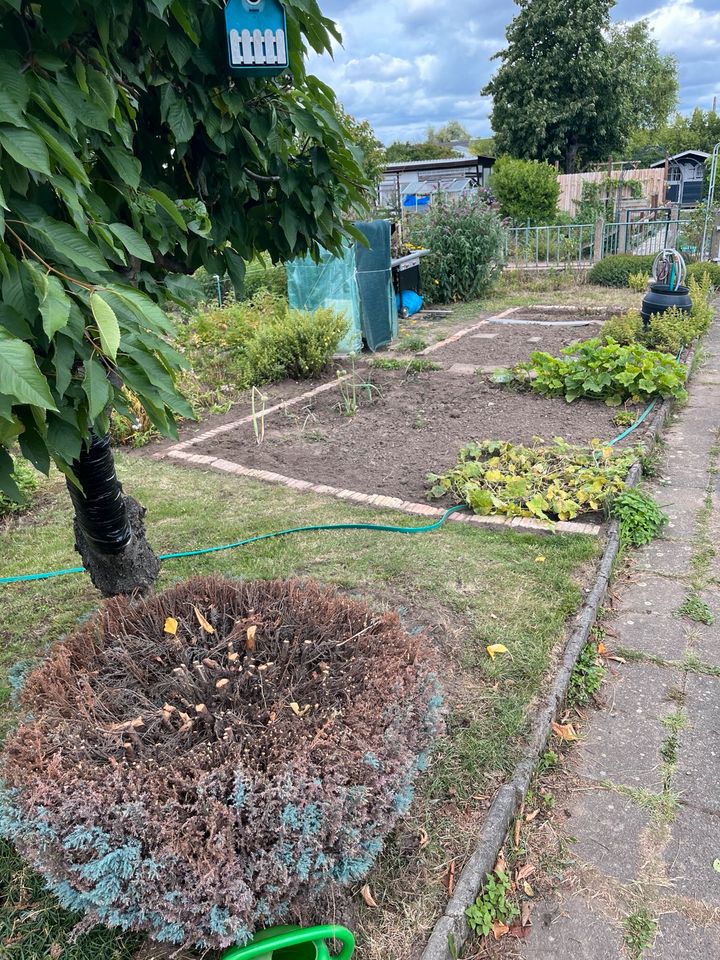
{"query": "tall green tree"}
[(647, 81), (699, 131), (554, 95), (129, 157), (452, 130), (399, 152), (371, 155)]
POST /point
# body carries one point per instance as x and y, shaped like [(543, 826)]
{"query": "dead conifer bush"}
[(208, 761)]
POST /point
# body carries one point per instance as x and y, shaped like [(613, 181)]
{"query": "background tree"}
[(452, 130), (372, 151), (555, 93), (699, 131), (526, 190), (399, 152), (647, 82), (128, 154)]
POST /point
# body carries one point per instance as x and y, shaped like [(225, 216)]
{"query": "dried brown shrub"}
[(201, 783)]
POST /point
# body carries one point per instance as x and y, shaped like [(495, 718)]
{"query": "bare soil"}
[(404, 428)]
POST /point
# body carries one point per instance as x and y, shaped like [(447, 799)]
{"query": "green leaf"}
[(169, 207), (26, 148), (63, 361), (7, 484), (125, 165), (236, 269), (32, 442), (55, 309), (135, 245), (67, 159), (97, 388), (20, 376), (67, 242), (107, 324), (182, 18)]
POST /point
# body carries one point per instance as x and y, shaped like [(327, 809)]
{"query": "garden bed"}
[(407, 426)]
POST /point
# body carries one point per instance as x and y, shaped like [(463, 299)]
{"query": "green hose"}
[(377, 527)]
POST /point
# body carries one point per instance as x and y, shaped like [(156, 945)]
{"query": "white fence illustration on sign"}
[(258, 48)]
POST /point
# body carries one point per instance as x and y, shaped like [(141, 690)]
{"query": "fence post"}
[(598, 240), (715, 239)]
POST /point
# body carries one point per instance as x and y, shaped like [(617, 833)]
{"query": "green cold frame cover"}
[(257, 37)]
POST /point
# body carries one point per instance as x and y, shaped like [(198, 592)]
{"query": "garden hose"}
[(377, 527)]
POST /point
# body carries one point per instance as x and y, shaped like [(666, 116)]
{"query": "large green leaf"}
[(164, 201), (107, 324), (135, 245), (20, 376), (68, 242), (97, 388), (55, 308), (62, 152), (7, 484), (26, 148)]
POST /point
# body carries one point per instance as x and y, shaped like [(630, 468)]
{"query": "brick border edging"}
[(517, 524), (463, 333), (509, 798)]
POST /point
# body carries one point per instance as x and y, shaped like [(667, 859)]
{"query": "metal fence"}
[(642, 237), (556, 246)]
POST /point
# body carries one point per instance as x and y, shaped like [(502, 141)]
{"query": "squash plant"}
[(129, 157)]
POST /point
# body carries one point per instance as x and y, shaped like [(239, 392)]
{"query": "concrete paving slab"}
[(571, 930), (661, 636), (624, 740), (680, 939), (650, 596), (689, 856), (698, 767), (607, 829), (667, 557)]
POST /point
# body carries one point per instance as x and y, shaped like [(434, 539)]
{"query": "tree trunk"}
[(571, 152), (109, 527)]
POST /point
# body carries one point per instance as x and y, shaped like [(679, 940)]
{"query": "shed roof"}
[(689, 154)]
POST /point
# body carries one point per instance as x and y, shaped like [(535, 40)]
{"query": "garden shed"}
[(686, 175), (413, 183)]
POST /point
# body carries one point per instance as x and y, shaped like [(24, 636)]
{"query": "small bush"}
[(211, 760), (641, 519), (27, 481), (624, 328), (603, 370), (675, 329), (639, 282), (586, 678), (526, 190), (703, 268), (250, 343), (493, 905), (615, 270), (467, 241), (559, 481)]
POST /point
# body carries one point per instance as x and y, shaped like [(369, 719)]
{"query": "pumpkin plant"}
[(129, 158)]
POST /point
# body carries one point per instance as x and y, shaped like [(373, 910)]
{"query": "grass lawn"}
[(467, 588)]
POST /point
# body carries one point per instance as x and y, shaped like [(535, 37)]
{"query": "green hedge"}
[(615, 270)]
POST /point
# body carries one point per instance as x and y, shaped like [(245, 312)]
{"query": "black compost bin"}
[(661, 297)]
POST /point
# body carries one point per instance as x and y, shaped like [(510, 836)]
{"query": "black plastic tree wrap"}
[(109, 527)]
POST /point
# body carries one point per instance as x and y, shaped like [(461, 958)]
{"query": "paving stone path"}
[(642, 819)]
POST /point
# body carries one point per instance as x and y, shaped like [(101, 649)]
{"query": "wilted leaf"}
[(367, 896), (519, 931), (500, 930), (496, 648), (208, 628), (524, 872), (500, 863), (171, 626), (300, 711), (529, 819), (424, 839), (565, 731), (525, 911), (527, 889), (601, 649)]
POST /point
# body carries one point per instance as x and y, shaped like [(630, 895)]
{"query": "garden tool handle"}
[(293, 939)]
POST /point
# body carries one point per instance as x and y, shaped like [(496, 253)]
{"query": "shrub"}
[(27, 482), (624, 328), (704, 268), (265, 276), (675, 329), (467, 241), (526, 190), (615, 270), (641, 519), (605, 370), (210, 760), (557, 481), (639, 282), (254, 342)]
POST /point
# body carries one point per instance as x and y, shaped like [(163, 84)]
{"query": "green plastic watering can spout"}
[(281, 944)]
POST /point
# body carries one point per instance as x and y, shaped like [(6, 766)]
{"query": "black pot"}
[(660, 298)]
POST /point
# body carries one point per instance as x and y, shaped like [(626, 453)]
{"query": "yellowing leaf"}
[(203, 622), (529, 892), (565, 731), (540, 559), (300, 711), (171, 626), (496, 648), (367, 896)]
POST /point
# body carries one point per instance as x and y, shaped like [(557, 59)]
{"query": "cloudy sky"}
[(409, 63)]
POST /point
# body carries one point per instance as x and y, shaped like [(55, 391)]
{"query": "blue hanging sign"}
[(257, 37)]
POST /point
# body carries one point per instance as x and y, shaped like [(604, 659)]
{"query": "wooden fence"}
[(571, 185)]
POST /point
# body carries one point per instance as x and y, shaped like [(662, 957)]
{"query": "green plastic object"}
[(292, 943)]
